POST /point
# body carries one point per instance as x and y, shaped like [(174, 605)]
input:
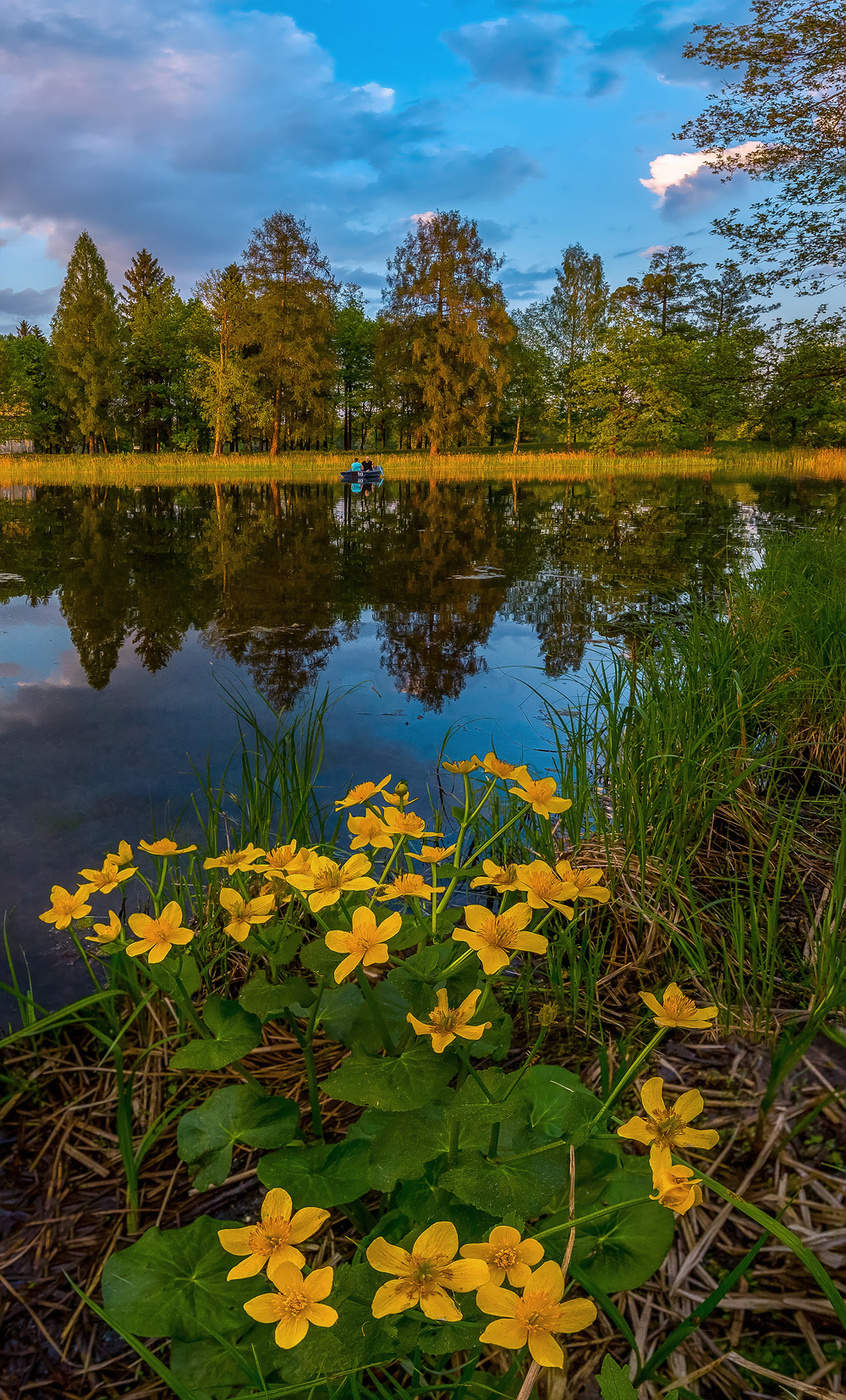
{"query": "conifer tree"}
[(221, 380), (294, 297), (156, 352), (86, 341), (142, 278), (441, 283)]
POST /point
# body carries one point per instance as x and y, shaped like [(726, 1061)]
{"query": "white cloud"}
[(667, 172), (422, 218), (374, 98)]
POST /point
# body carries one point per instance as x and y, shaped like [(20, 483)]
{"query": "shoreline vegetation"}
[(726, 462), (699, 837)]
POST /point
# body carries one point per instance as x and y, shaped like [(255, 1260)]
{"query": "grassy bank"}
[(706, 772), (190, 469)]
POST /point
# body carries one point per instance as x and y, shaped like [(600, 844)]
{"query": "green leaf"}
[(236, 1113), (172, 971), (316, 957), (401, 1144), (346, 1016), (269, 999), (235, 1034), (624, 1250), (404, 1081), (172, 1283), (452, 1336), (559, 1103), (324, 1174), (614, 1383), (526, 1187), (213, 1373)]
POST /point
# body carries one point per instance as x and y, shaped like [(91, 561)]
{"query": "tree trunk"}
[(516, 448), (277, 420)]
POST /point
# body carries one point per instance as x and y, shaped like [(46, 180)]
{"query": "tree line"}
[(273, 354)]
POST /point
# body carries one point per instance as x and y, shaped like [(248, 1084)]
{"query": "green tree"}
[(669, 291), (294, 294), (780, 118), (86, 341), (221, 380), (571, 321), (632, 385), (525, 403), (155, 325), (355, 342), (441, 287), (806, 398)]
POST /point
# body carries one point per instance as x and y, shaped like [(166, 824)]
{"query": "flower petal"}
[(466, 1274), (545, 1350), (276, 1205), (637, 1130), (530, 1252), (236, 1241), (689, 1105), (697, 1137), (508, 1333), (318, 1285), (652, 1096), (548, 1279), (440, 1238), (393, 1297), (248, 1268), (498, 1302), (438, 1305), (265, 1308), (388, 1258), (307, 1222), (290, 1332), (505, 1237), (322, 1315), (575, 1314)]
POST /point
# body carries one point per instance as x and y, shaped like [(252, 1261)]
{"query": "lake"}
[(127, 614)]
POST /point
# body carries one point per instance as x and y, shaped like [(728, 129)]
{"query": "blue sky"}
[(179, 126)]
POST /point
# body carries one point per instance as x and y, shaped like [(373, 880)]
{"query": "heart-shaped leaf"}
[(236, 1113), (403, 1081), (234, 1033)]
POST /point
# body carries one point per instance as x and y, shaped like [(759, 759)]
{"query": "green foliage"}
[(320, 1175), (86, 344), (613, 1381), (237, 1113), (233, 1033), (406, 1081)]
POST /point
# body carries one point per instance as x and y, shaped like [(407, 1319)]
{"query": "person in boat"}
[(356, 466), (366, 464)]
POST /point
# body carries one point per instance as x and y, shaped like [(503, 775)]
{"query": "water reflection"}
[(277, 577)]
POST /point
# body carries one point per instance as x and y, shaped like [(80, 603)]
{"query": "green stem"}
[(542, 1034), (587, 1219), (375, 1011), (462, 958), (628, 1076), (311, 1071), (474, 1074), (97, 984), (386, 867)]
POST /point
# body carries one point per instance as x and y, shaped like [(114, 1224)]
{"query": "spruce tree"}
[(86, 341), (142, 278), (442, 285), (155, 359)]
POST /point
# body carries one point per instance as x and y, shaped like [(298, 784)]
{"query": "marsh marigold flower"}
[(122, 856), (536, 1317), (497, 937), (498, 768), (502, 878), (274, 1238), (587, 881), (66, 906), (365, 943), (108, 877), (544, 889), (446, 1022), (405, 823), (325, 881), (412, 885), (432, 855), (279, 860), (164, 847), (668, 1126), (676, 1187), (230, 861), (105, 933), (369, 830), (425, 1275), (507, 1255), (399, 797), (362, 792), (157, 936), (678, 1010), (461, 765), (245, 912), (296, 1303), (540, 795)]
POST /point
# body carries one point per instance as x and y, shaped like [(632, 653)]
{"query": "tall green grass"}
[(188, 469)]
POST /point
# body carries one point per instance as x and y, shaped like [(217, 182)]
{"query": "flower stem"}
[(386, 867), (375, 1010), (628, 1076), (541, 1037), (588, 1219)]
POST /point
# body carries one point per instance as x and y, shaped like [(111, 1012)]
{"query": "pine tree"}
[(221, 380), (156, 354), (669, 291), (86, 341), (294, 297), (442, 286), (142, 278)]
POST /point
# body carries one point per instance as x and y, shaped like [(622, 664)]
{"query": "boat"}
[(363, 474)]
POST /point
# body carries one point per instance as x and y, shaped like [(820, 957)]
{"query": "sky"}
[(178, 125)]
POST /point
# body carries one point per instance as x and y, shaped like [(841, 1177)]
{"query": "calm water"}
[(121, 612)]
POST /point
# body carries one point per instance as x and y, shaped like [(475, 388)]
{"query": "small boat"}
[(363, 474)]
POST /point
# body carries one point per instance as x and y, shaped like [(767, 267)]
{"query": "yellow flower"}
[(122, 856), (296, 1303), (278, 861), (412, 885), (544, 889), (362, 792), (498, 768), (230, 861), (586, 881), (405, 823), (64, 906), (369, 830), (507, 1255), (272, 1239), (668, 1126), (432, 854), (111, 875), (502, 877), (158, 936), (424, 1273), (399, 797), (540, 794), (535, 1317), (496, 937), (462, 765), (245, 912), (365, 943), (445, 1023), (676, 1187), (679, 1010), (327, 881), (106, 933), (164, 847)]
